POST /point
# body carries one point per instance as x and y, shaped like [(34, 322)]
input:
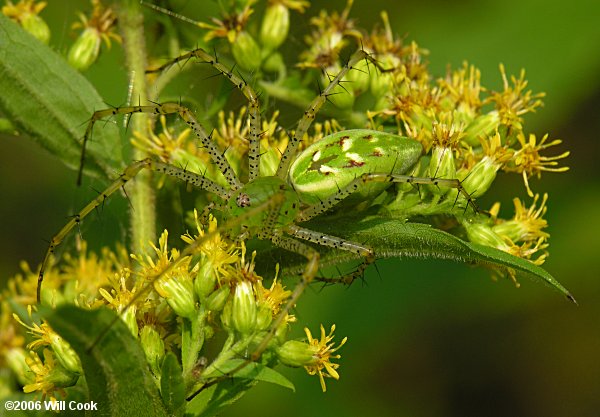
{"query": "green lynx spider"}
[(271, 207)]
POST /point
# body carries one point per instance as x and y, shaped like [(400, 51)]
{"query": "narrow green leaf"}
[(254, 371), (212, 400), (391, 238), (115, 368), (51, 103), (172, 387)]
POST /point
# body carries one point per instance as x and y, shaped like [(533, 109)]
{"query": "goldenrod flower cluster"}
[(201, 297)]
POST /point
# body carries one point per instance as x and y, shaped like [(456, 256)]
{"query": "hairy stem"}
[(141, 192)]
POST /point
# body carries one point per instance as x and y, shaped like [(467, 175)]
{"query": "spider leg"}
[(253, 108), (335, 242), (130, 172), (166, 108)]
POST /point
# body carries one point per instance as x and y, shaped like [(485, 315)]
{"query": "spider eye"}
[(243, 200)]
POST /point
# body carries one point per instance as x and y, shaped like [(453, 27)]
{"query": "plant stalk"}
[(141, 192)]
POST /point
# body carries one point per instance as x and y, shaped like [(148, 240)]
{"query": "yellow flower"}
[(227, 27), (513, 102), (102, 21), (164, 144), (220, 253), (26, 14), (322, 358), (42, 334), (528, 160), (49, 376)]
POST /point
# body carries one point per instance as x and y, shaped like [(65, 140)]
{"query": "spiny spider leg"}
[(130, 172), (247, 91), (329, 241), (270, 222), (364, 179), (337, 243), (311, 112), (166, 108)]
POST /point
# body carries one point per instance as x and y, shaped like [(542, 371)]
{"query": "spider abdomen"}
[(334, 161)]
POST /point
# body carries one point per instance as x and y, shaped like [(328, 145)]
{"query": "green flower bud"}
[(243, 308), (179, 294), (85, 50), (275, 26), (246, 51), (481, 127), (296, 353), (518, 230), (360, 76), (61, 377), (264, 317), (484, 235), (480, 177), (153, 346), (206, 280), (15, 359), (216, 301), (382, 82), (65, 354), (341, 97), (441, 165), (35, 25), (130, 319), (226, 314)]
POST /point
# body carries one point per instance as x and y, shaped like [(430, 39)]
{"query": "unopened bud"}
[(65, 354), (216, 301), (275, 26), (246, 51), (206, 279), (243, 308), (441, 165), (35, 25), (16, 360), (480, 177), (179, 294), (296, 353), (153, 346), (85, 50), (481, 127), (264, 316), (341, 97), (484, 235)]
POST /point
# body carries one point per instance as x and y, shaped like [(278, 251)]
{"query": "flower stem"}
[(141, 192)]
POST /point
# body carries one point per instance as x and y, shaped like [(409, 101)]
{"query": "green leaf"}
[(115, 367), (392, 238), (51, 102), (172, 387), (253, 371), (215, 398)]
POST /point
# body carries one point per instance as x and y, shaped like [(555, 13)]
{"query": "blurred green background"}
[(426, 338)]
